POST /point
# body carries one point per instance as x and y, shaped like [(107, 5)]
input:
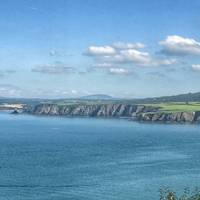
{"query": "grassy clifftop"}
[(173, 107)]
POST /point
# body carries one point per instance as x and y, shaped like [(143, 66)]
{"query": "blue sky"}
[(124, 48)]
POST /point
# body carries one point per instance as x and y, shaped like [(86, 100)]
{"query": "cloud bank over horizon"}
[(119, 59), (121, 55)]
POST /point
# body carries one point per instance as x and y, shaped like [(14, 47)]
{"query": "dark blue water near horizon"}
[(44, 158)]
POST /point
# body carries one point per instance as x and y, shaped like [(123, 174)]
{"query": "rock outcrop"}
[(102, 110), (176, 117), (135, 112)]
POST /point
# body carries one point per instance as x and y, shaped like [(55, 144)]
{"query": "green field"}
[(170, 107), (177, 107)]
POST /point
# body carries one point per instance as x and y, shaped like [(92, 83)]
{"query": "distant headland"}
[(184, 108)]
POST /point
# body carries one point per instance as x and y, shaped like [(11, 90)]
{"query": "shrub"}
[(168, 194)]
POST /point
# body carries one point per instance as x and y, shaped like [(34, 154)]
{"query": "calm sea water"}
[(94, 159)]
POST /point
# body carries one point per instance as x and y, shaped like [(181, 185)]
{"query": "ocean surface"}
[(49, 158)]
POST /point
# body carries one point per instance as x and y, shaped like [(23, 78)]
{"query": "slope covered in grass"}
[(177, 107)]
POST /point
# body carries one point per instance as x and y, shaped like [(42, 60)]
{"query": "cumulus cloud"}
[(132, 56), (141, 58), (102, 65), (74, 91), (180, 46), (163, 62), (196, 67), (135, 56), (123, 45), (119, 71), (123, 53), (56, 68), (100, 51)]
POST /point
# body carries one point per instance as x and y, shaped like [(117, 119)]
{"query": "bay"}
[(94, 159)]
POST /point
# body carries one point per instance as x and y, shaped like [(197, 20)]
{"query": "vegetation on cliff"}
[(172, 107), (167, 194)]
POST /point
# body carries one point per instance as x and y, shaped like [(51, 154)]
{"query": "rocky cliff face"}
[(104, 110), (179, 117), (135, 112)]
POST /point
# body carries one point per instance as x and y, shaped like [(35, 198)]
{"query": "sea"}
[(57, 158)]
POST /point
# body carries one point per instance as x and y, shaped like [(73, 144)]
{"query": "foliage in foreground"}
[(167, 194)]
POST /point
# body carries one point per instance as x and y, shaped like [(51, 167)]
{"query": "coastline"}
[(139, 113)]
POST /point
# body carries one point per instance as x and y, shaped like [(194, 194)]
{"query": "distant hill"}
[(189, 97), (97, 97)]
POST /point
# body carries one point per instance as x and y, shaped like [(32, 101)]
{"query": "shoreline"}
[(138, 113), (104, 118)]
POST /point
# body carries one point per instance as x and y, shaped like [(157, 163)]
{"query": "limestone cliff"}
[(135, 112), (179, 117), (96, 110)]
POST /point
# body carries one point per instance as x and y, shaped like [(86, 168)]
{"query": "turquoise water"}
[(94, 159)]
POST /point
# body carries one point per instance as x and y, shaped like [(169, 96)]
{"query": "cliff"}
[(177, 117), (96, 110), (135, 112)]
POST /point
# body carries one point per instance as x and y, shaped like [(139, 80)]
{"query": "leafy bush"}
[(167, 194)]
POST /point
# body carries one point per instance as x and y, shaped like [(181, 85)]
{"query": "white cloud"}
[(119, 71), (56, 68), (132, 55), (122, 53), (123, 45), (196, 67), (163, 62), (177, 45), (102, 65), (74, 92), (100, 51)]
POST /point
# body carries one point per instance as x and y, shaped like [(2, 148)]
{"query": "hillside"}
[(189, 97), (102, 98)]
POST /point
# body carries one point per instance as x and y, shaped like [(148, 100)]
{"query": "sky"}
[(122, 48)]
